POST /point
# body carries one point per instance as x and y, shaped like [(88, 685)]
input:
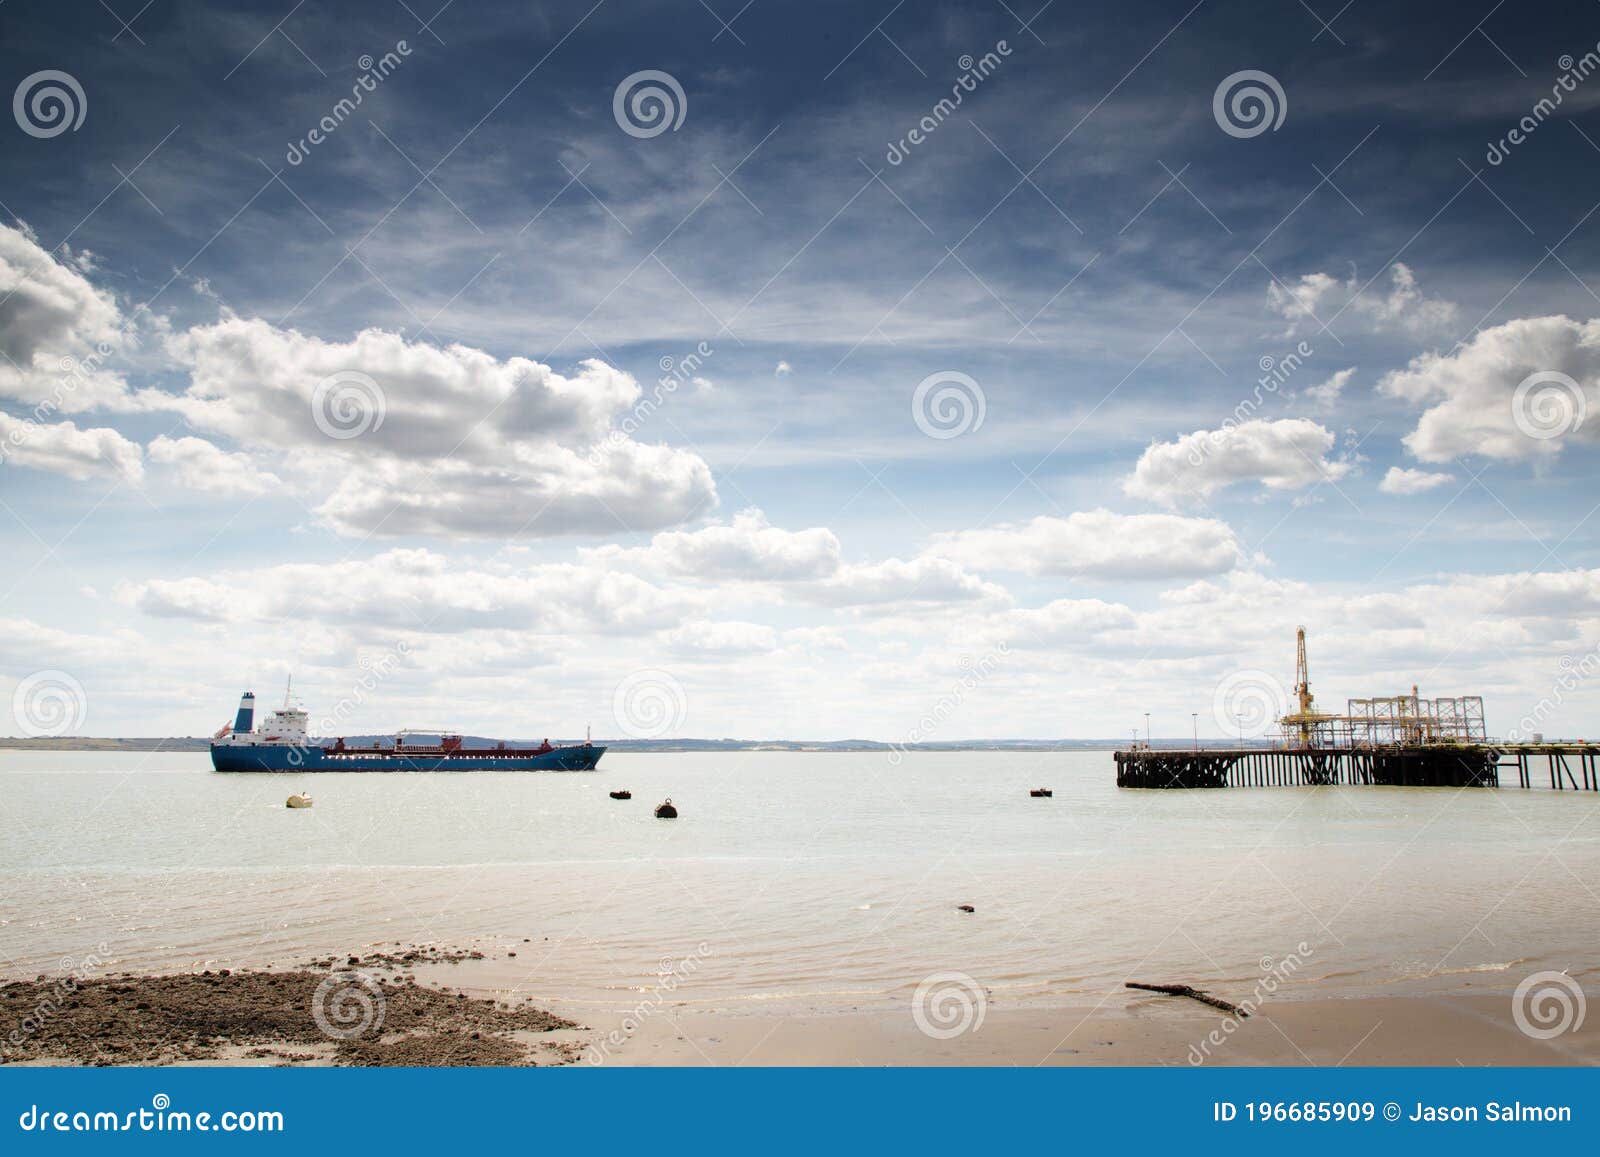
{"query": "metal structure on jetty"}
[(1397, 741)]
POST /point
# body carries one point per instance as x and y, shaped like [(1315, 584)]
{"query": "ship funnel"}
[(246, 719)]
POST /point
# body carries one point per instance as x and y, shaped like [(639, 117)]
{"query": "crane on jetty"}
[(1399, 740)]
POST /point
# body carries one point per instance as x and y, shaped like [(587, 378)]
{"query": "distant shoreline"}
[(197, 743)]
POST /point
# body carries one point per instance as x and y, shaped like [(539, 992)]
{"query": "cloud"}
[(748, 548), (1283, 454), (806, 565), (703, 638), (418, 439), (1098, 544), (1515, 391), (423, 591), (1317, 298), (782, 368), (905, 582), (1062, 624), (56, 329), (1324, 396), (200, 465), (1400, 480), (62, 448)]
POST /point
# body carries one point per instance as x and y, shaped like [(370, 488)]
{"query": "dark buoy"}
[(665, 811), (965, 908), (1041, 793), (624, 794)]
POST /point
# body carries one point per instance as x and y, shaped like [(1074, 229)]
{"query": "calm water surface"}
[(815, 881)]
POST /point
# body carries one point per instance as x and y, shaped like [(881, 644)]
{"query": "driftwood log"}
[(1192, 994)]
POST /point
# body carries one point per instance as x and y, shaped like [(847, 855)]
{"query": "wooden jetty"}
[(1390, 741), (1569, 766)]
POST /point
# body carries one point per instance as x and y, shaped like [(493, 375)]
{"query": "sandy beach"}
[(373, 1010), (1377, 1031)]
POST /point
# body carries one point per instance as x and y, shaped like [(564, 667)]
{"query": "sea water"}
[(815, 881)]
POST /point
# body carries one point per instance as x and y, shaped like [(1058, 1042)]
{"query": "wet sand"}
[(1377, 1031), (446, 1005)]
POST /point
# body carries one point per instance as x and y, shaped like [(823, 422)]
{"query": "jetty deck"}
[(1567, 766)]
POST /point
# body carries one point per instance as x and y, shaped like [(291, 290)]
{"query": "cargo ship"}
[(281, 743)]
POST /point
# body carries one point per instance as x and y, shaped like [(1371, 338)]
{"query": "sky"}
[(899, 371)]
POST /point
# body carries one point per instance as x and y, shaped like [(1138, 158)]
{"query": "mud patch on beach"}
[(291, 1017)]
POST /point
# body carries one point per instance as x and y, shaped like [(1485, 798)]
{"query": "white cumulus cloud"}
[(1316, 299), (201, 465), (1097, 544), (56, 329), (1476, 400), (418, 439), (62, 448), (1284, 454), (1400, 480)]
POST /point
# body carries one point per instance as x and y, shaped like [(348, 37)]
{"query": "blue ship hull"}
[(284, 757)]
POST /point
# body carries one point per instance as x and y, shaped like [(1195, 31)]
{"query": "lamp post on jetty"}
[(1194, 717), (1147, 729)]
